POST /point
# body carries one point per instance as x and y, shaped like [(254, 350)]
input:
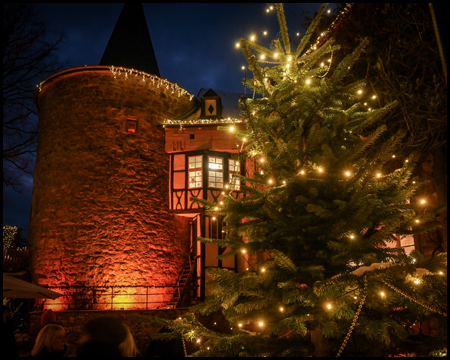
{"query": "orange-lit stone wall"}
[(100, 209)]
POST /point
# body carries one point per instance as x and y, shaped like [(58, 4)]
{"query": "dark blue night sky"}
[(194, 45)]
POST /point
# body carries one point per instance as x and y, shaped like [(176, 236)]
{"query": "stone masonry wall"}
[(100, 213), (73, 322)]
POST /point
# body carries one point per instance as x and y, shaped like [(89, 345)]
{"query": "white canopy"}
[(19, 289)]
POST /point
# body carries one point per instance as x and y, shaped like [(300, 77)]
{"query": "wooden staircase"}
[(183, 284)]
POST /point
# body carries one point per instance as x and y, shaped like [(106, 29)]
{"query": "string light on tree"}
[(331, 198)]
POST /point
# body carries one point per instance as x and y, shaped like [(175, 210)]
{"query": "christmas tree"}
[(318, 221)]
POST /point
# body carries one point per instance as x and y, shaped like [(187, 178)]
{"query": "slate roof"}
[(130, 44)]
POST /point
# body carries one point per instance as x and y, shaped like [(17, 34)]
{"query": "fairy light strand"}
[(203, 121), (361, 303), (414, 300), (116, 71)]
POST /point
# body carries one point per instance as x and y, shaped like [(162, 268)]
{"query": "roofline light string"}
[(153, 78)]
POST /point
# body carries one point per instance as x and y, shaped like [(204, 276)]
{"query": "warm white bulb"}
[(275, 55), (243, 250), (243, 68), (422, 201), (252, 38), (302, 172), (308, 81), (378, 175), (270, 181), (393, 156), (320, 169), (417, 221), (322, 64), (382, 294), (281, 309), (231, 128), (261, 323), (265, 33), (262, 159), (374, 97), (240, 325), (329, 306), (263, 56), (237, 45), (298, 34), (352, 236), (263, 269), (359, 91), (347, 173)]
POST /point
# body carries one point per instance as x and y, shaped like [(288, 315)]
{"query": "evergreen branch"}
[(311, 29), (283, 28)]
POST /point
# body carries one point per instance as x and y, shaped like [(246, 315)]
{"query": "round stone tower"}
[(100, 212), (100, 205)]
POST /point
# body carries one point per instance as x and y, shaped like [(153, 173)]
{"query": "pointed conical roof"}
[(130, 44)]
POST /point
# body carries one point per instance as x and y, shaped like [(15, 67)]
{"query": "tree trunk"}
[(320, 342)]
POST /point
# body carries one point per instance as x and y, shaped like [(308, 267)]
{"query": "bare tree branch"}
[(28, 57)]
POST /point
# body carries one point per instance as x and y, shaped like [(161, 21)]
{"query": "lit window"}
[(234, 167), (215, 172), (195, 171), (131, 126)]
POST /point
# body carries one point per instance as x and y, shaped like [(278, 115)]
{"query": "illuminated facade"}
[(112, 225)]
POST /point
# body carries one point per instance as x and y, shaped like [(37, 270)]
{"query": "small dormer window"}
[(211, 105), (131, 125)]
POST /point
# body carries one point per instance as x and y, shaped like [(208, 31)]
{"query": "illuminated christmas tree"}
[(317, 223), (9, 236), (12, 237)]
